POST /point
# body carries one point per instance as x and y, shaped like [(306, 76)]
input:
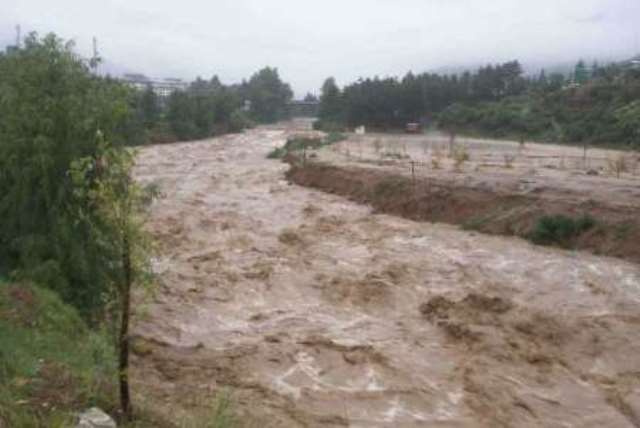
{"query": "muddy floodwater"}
[(313, 312)]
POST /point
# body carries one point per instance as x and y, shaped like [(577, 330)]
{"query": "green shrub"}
[(559, 229), (295, 144), (54, 111), (239, 121), (277, 153)]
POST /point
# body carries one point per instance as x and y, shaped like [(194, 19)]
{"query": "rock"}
[(593, 172), (95, 418)]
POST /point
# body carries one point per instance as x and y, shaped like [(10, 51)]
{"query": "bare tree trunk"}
[(123, 367)]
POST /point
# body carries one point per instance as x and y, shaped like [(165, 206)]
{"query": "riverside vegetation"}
[(595, 105), (72, 241)]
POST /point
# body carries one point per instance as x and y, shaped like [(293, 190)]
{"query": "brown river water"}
[(314, 312)]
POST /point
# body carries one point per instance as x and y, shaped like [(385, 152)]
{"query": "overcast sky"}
[(310, 40)]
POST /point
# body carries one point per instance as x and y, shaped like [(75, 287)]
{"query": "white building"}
[(162, 87)]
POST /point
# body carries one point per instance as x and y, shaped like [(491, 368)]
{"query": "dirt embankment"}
[(616, 232)]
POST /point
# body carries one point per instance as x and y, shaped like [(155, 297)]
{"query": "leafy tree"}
[(205, 109), (181, 113), (628, 118), (150, 107), (113, 205), (50, 108), (331, 107), (497, 101), (556, 81), (310, 98), (581, 73), (268, 95), (71, 212)]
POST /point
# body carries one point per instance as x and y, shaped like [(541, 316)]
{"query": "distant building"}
[(162, 87)]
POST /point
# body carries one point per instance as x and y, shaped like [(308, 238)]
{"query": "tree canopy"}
[(592, 105), (51, 109), (268, 95)]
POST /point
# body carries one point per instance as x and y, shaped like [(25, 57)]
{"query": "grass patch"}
[(559, 229), (51, 365), (295, 144)]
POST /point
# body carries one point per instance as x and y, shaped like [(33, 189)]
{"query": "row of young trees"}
[(597, 105), (209, 108)]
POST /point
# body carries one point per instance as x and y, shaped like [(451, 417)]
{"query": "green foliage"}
[(149, 107), (239, 121), (181, 114), (277, 153), (219, 415), (559, 229), (627, 119), (222, 413), (331, 103), (113, 206), (581, 73), (301, 143), (392, 103), (209, 108), (268, 96), (596, 106), (604, 110), (51, 107), (42, 383)]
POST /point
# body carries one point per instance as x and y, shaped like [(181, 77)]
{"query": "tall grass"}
[(51, 364)]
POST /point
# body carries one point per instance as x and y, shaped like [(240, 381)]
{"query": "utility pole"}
[(95, 59), (18, 36)]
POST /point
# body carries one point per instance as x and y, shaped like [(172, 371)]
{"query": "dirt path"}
[(316, 313)]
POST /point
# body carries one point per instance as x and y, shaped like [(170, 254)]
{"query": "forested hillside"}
[(597, 104)]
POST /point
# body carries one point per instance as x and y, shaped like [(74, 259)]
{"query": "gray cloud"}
[(309, 41)]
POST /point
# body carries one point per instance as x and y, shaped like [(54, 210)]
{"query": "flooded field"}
[(609, 176), (314, 312)]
